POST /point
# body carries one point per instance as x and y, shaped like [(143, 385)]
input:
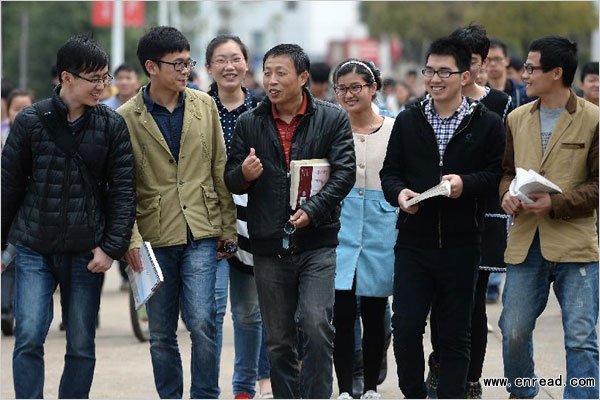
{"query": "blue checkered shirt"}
[(445, 128)]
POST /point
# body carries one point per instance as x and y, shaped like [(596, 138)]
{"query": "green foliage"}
[(50, 25), (514, 22)]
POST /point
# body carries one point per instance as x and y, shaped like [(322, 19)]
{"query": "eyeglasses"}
[(442, 73), (179, 66), (224, 61), (354, 89), (530, 68), (495, 59), (107, 80)]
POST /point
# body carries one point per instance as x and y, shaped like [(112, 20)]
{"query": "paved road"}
[(123, 368)]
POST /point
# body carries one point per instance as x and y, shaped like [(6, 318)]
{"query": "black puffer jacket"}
[(44, 201), (324, 132)]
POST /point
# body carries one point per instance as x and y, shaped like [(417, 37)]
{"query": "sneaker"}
[(371, 394), (267, 395), (344, 396), (490, 328), (473, 390), (433, 377), (242, 396)]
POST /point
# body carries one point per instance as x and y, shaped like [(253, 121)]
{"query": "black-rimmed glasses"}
[(442, 73), (107, 80), (179, 66), (354, 89), (530, 68)]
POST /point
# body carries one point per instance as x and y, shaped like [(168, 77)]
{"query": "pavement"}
[(124, 370)]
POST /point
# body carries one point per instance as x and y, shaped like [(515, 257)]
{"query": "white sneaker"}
[(371, 394), (344, 396)]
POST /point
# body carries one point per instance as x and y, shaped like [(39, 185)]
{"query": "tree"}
[(51, 24), (516, 23)]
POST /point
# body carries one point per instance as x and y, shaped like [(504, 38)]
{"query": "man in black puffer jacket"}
[(68, 213), (294, 273)]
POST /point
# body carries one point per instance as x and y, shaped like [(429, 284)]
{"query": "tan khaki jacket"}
[(568, 233), (173, 195)]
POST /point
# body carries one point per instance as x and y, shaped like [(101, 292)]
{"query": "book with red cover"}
[(307, 178)]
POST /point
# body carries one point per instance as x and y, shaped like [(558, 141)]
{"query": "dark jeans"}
[(37, 276), (478, 329), (302, 283), (372, 312), (449, 275)]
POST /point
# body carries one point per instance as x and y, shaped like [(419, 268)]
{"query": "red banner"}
[(133, 13)]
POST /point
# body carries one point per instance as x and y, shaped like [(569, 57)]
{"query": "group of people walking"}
[(205, 178)]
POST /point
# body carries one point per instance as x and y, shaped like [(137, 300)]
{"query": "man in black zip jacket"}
[(68, 198), (294, 268), (442, 137)]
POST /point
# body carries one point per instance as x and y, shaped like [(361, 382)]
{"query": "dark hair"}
[(159, 41), (216, 42), (125, 67), (389, 82), (590, 68), (80, 54), (18, 93), (516, 63), (451, 47), (296, 53), (366, 69), (495, 43), (475, 37), (319, 72), (412, 72), (222, 39), (557, 51)]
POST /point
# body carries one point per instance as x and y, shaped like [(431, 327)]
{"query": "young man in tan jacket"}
[(553, 239), (183, 208)]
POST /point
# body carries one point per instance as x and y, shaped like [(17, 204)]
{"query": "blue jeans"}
[(303, 284), (189, 282), (37, 276), (524, 299), (251, 362)]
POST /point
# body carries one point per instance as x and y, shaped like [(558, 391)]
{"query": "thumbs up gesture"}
[(252, 168)]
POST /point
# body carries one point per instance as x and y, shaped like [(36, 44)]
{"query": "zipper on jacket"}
[(441, 164), (64, 202)]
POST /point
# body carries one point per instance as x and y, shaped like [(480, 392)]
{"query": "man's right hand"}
[(510, 204), (132, 257), (403, 197), (251, 167)]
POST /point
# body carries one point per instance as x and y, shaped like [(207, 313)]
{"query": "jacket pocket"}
[(148, 217), (211, 202)]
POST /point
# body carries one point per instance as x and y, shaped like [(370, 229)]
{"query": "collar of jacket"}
[(264, 107), (62, 109), (571, 105), (475, 107), (188, 99)]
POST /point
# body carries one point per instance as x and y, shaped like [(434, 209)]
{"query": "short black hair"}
[(475, 37), (516, 63), (495, 44), (366, 69), (451, 47), (590, 68), (319, 72), (80, 54), (159, 41), (18, 93), (296, 53), (125, 67), (557, 51)]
